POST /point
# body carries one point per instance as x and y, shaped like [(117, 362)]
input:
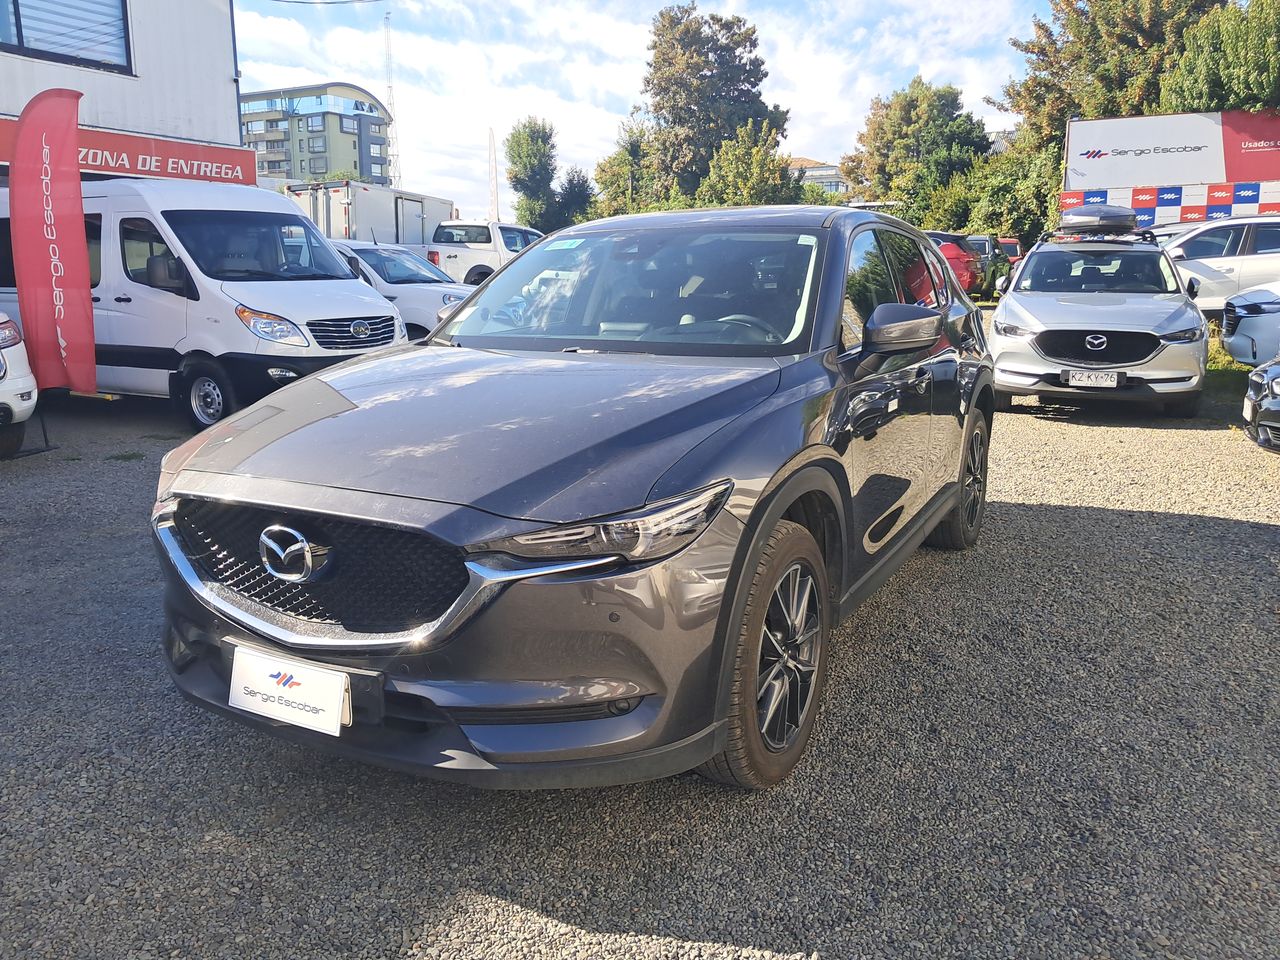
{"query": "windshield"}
[(981, 244), (1010, 248), (400, 266), (684, 290), (254, 245), (1081, 271)]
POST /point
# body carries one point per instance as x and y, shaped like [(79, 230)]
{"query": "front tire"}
[(960, 529), (208, 395), (780, 663), (11, 437)]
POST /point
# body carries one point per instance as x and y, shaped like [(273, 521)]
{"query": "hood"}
[(1148, 312), (304, 300), (550, 437)]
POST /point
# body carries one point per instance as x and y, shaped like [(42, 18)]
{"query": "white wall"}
[(184, 84)]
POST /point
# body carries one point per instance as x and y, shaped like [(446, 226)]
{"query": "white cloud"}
[(580, 65)]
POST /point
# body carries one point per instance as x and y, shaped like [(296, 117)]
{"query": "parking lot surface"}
[(1061, 744)]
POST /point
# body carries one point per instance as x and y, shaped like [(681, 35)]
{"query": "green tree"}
[(1231, 61), (573, 199), (629, 178), (914, 142), (531, 170), (350, 174), (703, 83), (1098, 58), (747, 170)]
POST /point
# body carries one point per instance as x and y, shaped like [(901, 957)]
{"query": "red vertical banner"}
[(50, 253)]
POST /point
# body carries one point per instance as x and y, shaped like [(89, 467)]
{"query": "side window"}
[(92, 232), (910, 268), (1223, 242), (939, 273), (868, 285), (1266, 238), (530, 237), (140, 241), (513, 240)]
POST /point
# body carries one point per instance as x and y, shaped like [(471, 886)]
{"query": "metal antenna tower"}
[(393, 155)]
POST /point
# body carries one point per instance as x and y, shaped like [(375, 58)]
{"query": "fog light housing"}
[(25, 396), (622, 707), (282, 374)]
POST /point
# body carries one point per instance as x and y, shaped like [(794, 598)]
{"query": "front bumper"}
[(1262, 415), (18, 395), (579, 679), (254, 375), (1173, 370)]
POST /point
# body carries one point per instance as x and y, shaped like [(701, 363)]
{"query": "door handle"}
[(124, 299)]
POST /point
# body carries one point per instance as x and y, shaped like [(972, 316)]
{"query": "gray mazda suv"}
[(600, 525)]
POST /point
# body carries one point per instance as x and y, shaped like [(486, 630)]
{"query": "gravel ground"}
[(1062, 744)]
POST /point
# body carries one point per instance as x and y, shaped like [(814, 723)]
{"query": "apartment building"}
[(313, 132)]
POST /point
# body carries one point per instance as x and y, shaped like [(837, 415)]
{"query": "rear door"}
[(1212, 257), (1262, 263), (141, 317), (880, 420)]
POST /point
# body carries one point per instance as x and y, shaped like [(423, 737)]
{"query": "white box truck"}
[(350, 210)]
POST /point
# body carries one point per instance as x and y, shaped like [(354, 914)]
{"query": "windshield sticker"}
[(807, 240), (565, 244)]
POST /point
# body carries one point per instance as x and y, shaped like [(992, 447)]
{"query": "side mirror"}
[(354, 263), (902, 326), (1177, 253), (447, 311), (1193, 288), (165, 272), (1002, 285)]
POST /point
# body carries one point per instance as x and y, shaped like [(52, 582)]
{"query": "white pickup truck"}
[(470, 250)]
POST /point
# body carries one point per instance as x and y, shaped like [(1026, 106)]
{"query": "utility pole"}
[(393, 155), (493, 178)]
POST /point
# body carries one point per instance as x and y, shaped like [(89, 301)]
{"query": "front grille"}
[(377, 579), (1122, 346), (1230, 319), (340, 335)]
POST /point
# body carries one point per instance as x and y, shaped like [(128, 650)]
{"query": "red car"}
[(1012, 248), (963, 256)]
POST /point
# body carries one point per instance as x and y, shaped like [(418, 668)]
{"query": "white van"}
[(418, 289), (213, 294)]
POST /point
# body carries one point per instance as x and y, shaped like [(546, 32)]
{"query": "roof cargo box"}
[(1098, 218)]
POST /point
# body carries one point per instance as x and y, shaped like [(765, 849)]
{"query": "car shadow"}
[(1214, 414), (1054, 744)]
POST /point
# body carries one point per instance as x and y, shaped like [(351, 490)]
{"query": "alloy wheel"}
[(789, 652), (206, 399), (975, 477)]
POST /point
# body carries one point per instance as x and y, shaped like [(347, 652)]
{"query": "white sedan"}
[(418, 289), (1251, 324)]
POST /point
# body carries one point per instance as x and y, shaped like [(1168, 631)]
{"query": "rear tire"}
[(960, 529), (11, 437), (207, 395), (780, 663), (1004, 402), (1184, 408)]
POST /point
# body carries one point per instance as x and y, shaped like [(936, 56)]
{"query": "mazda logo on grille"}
[(289, 556), (1095, 341), (361, 329)]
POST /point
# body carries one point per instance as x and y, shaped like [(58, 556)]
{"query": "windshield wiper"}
[(249, 272), (315, 276)]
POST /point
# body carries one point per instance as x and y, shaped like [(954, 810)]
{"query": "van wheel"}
[(208, 395), (11, 437), (478, 276), (780, 663)]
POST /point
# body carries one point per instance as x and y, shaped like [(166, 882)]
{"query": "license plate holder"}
[(1093, 379), (1248, 410), (297, 692)]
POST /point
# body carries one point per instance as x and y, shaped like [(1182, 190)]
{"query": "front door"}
[(141, 316), (880, 419), (1212, 257), (1262, 263)]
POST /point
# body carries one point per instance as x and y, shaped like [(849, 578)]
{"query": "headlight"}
[(1189, 335), (270, 327), (1004, 328), (1266, 306), (1274, 386), (649, 534), (401, 332), (10, 335), (449, 298), (173, 462)]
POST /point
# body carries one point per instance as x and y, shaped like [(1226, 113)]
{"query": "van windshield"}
[(253, 245)]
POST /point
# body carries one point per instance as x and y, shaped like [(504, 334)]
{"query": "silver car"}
[(1102, 317)]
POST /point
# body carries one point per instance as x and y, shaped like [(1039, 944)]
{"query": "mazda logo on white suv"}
[(1095, 341)]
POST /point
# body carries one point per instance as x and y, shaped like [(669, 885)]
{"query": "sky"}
[(463, 67)]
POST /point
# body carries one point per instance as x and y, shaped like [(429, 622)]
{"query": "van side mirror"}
[(165, 272), (902, 326), (354, 263), (447, 311), (1002, 285), (1177, 253), (1193, 288)]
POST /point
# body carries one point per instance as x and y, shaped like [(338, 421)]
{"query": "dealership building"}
[(160, 90)]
